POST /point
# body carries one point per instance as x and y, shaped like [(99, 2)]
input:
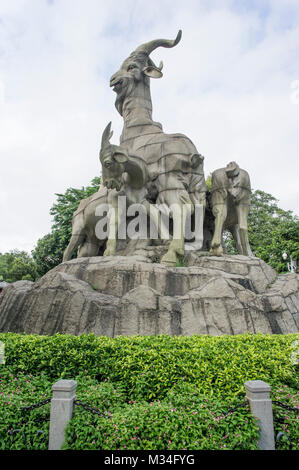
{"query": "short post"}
[(62, 404), (258, 395)]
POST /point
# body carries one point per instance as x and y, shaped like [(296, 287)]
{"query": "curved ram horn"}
[(152, 45), (152, 64), (107, 134)]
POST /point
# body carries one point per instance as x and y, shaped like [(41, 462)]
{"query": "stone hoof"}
[(170, 259), (177, 248), (110, 250), (216, 251), (249, 254)]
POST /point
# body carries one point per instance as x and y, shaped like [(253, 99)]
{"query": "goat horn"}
[(152, 64), (152, 45), (107, 134)]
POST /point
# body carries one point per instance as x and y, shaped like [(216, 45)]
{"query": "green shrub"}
[(170, 388), (148, 366), (286, 421), (19, 429), (183, 420)]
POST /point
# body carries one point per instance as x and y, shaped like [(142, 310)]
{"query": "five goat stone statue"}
[(125, 286), (157, 170)]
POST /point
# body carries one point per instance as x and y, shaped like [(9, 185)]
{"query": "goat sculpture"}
[(166, 166), (84, 220), (230, 204), (123, 175), (173, 162)]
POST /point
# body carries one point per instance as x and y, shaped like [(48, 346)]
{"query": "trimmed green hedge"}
[(147, 366), (156, 392)]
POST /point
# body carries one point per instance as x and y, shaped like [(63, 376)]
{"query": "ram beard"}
[(127, 87), (112, 183), (119, 103)]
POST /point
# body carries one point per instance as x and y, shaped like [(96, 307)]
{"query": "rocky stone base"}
[(136, 295)]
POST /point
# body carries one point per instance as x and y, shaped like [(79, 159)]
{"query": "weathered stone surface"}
[(132, 295)]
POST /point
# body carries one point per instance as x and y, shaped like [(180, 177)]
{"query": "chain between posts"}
[(104, 415), (282, 420), (35, 405), (25, 409), (100, 413), (90, 408), (231, 410), (286, 407)]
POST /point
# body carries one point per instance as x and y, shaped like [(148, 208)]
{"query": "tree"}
[(285, 238), (264, 217), (271, 231), (16, 266), (48, 252), (49, 249)]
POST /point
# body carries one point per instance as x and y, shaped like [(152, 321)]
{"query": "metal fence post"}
[(62, 403), (258, 395)]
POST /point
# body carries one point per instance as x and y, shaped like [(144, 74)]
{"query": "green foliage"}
[(17, 391), (49, 249), (155, 392), (16, 266), (19, 265), (62, 211), (181, 262), (286, 421), (264, 217), (209, 182), (148, 366), (184, 419), (271, 231), (285, 238)]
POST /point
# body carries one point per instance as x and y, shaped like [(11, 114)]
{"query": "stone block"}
[(121, 295)]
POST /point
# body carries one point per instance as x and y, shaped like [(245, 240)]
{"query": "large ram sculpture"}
[(173, 162)]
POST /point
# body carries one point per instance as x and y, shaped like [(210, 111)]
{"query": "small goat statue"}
[(126, 175), (230, 205), (84, 238)]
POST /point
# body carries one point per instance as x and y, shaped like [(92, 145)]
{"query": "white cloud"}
[(2, 91), (227, 85)]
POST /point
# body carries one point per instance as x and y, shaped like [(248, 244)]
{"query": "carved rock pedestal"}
[(133, 295)]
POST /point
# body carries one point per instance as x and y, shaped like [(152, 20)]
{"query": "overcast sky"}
[(231, 85)]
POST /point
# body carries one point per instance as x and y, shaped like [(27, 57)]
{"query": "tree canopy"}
[(17, 266), (271, 231), (49, 249)]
